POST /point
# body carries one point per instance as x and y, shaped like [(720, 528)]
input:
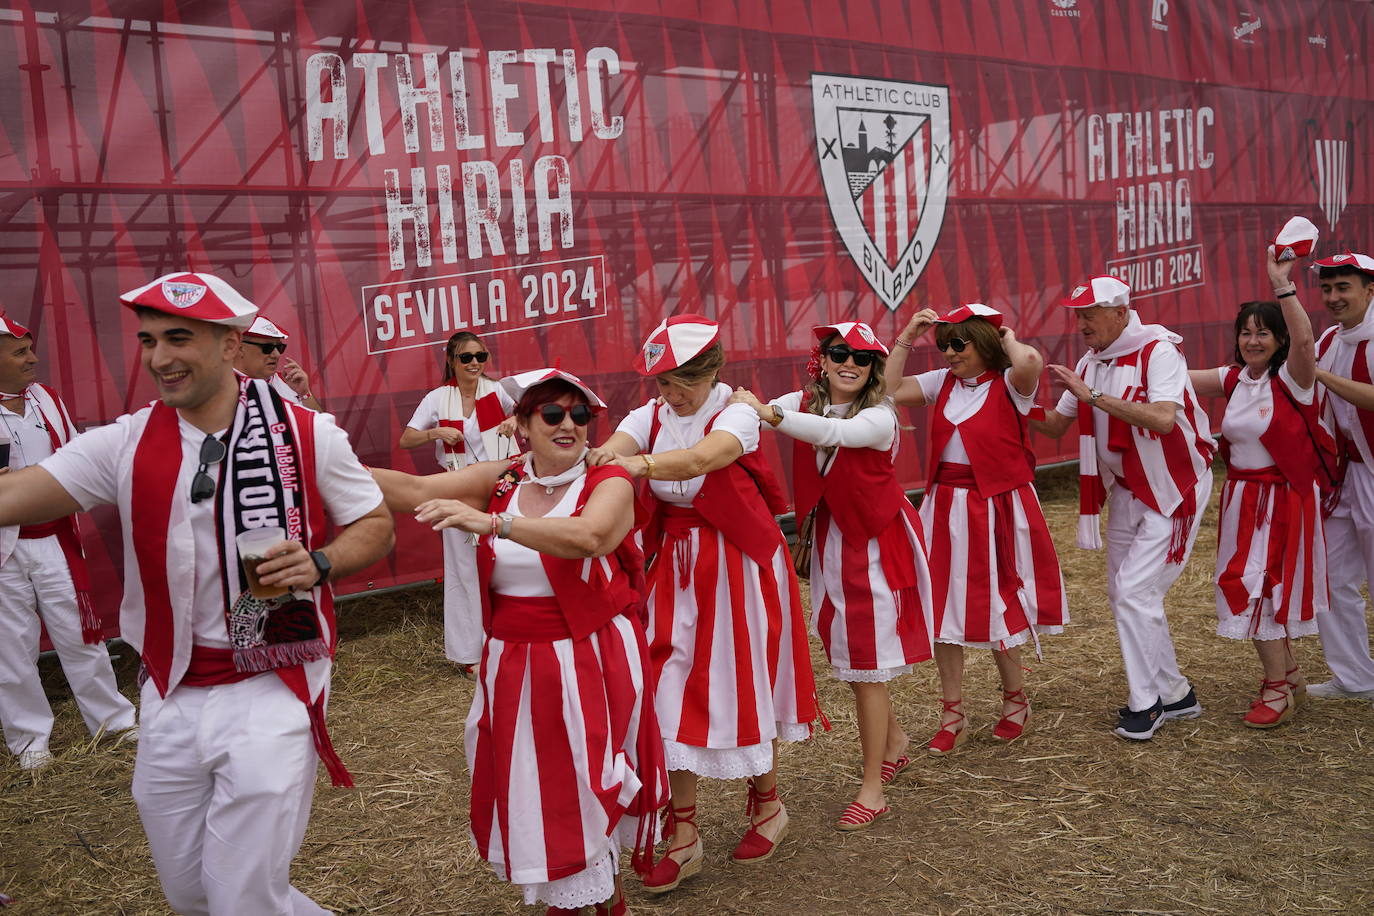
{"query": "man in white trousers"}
[(1344, 361), (1143, 440), (43, 578), (234, 698), (263, 352)]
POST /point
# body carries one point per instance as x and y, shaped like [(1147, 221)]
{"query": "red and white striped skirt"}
[(979, 601), (564, 753), (1271, 558), (728, 647), (871, 630)]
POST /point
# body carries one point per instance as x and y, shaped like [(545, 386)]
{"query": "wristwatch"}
[(1093, 395), (506, 519), (322, 564)]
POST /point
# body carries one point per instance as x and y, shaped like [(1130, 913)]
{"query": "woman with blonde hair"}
[(467, 420), (995, 573), (731, 663), (870, 586)]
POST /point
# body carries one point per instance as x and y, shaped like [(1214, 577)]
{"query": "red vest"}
[(994, 437), (1289, 438), (1359, 372), (739, 500), (861, 490), (587, 604)]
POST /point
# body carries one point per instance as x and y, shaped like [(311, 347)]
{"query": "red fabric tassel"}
[(92, 631), (1178, 540), (339, 776)]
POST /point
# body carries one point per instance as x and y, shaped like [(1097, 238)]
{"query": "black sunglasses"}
[(861, 358), (553, 414), (267, 348), (956, 344), (212, 451), (480, 356)]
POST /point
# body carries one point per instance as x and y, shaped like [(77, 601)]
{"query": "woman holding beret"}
[(727, 641), (995, 573), (870, 587)]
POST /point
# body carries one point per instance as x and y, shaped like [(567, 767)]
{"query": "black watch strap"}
[(322, 564)]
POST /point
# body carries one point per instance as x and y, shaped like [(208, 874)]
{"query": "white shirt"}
[(739, 420), (427, 413), (965, 400), (87, 468), (1168, 378), (873, 427), (280, 387), (519, 570), (28, 433), (1248, 413)]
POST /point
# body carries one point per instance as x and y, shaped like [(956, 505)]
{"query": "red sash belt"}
[(211, 667), (680, 519), (678, 522), (516, 619), (33, 532), (952, 474), (1270, 474)]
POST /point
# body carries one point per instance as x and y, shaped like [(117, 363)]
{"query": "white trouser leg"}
[(1349, 558), (86, 667), (24, 710), (223, 783), (462, 600), (1137, 579)]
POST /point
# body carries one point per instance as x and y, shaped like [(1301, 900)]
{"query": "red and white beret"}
[(13, 328), (517, 385), (1361, 262), (261, 327), (675, 341), (1295, 240), (203, 297), (1104, 291), (858, 335), (972, 310)]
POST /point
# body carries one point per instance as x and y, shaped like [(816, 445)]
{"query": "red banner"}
[(559, 176)]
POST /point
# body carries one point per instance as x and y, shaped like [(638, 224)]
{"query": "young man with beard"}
[(234, 698)]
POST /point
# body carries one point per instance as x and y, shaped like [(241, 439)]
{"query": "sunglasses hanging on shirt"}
[(553, 414), (861, 358), (212, 451)]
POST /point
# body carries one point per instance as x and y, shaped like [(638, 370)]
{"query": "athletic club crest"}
[(182, 295), (653, 352), (883, 147)]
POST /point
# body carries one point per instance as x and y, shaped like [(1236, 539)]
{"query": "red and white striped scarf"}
[(488, 412), (61, 430)]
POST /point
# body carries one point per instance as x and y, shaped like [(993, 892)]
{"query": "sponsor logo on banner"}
[(1334, 171), (1065, 8), (1158, 10), (1318, 40), (1248, 27), (181, 294), (1151, 160), (883, 149)]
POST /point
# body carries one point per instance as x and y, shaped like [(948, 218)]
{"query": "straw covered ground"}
[(1210, 817)]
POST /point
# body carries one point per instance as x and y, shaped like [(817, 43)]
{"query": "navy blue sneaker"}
[(1141, 726), (1186, 708)]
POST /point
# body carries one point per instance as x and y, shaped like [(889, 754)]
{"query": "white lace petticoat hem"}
[(1243, 627), (870, 675), (594, 884)]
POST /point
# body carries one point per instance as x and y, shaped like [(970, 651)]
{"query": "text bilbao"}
[(510, 79)]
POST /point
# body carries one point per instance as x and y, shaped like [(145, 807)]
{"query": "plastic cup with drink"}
[(253, 545)]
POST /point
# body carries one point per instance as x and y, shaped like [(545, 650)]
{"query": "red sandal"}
[(754, 846), (669, 873), (892, 767), (1261, 714), (1008, 729), (859, 817), (947, 739), (1297, 687)]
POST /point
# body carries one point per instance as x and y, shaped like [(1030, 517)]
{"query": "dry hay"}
[(1210, 817)]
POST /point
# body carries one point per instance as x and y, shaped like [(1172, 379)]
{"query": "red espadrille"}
[(754, 846), (669, 873), (859, 817)]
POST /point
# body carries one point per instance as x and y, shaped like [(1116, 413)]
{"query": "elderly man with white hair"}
[(1145, 450)]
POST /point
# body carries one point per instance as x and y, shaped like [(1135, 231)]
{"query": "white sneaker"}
[(1332, 691), (34, 760)]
